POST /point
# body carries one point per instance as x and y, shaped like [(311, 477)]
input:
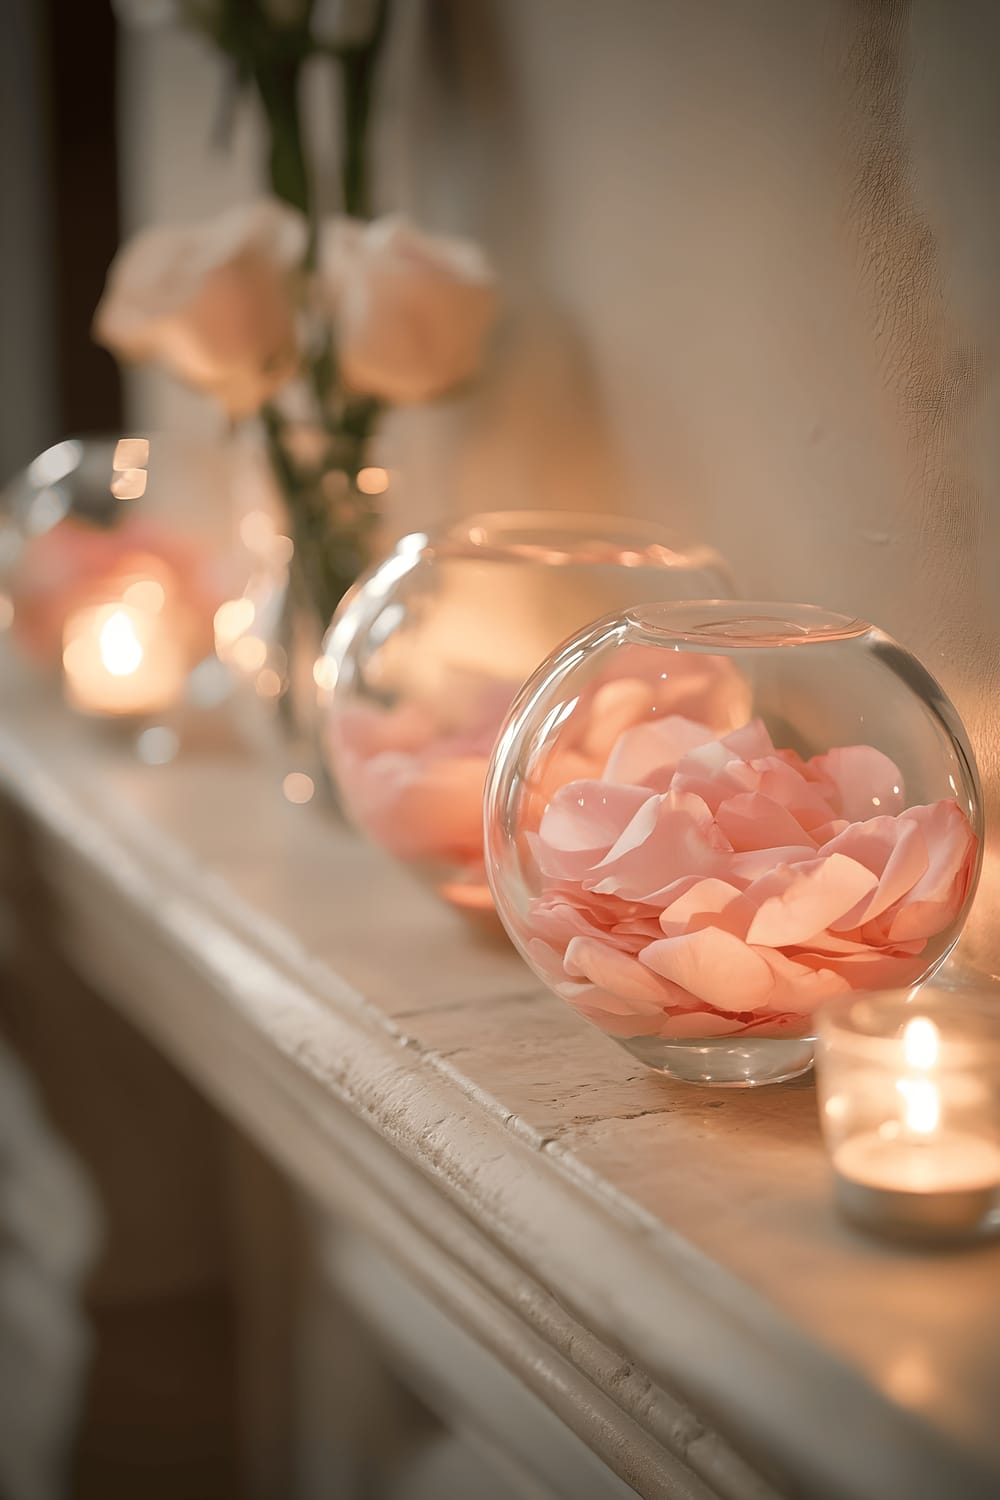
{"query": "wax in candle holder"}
[(909, 1091)]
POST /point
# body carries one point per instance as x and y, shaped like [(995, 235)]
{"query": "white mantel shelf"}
[(661, 1265)]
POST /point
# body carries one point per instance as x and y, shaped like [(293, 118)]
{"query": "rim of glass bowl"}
[(743, 624), (564, 538), (869, 1026)]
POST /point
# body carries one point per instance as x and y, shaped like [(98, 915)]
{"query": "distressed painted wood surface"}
[(661, 1265)]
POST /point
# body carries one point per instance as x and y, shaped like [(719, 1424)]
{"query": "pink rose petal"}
[(746, 869), (753, 821), (936, 900), (581, 823), (712, 772), (750, 742), (848, 945), (417, 809), (800, 986), (802, 798), (551, 771), (827, 831), (865, 780), (714, 967), (874, 969), (557, 922), (669, 838), (709, 902), (615, 972), (547, 960), (653, 748), (894, 850), (637, 930), (797, 901), (607, 910)]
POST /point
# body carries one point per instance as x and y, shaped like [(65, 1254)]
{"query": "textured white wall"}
[(751, 253)]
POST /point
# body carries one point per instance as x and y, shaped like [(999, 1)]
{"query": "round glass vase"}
[(425, 655), (784, 809)]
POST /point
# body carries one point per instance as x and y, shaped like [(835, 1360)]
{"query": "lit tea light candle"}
[(909, 1092), (119, 659)]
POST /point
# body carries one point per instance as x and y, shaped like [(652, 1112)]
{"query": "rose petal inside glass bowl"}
[(696, 889)]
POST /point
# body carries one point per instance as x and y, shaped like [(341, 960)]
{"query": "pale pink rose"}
[(411, 311), (703, 886), (214, 302), (74, 564)]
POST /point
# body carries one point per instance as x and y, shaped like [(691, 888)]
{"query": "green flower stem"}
[(269, 55), (330, 519), (277, 83), (357, 69), (330, 522)]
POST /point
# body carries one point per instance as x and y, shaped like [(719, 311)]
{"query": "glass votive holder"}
[(909, 1097), (116, 556)]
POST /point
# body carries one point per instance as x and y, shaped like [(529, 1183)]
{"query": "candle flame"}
[(120, 647), (920, 1043), (922, 1105)]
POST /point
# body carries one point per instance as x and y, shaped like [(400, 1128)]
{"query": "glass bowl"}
[(426, 654), (115, 554), (786, 809)]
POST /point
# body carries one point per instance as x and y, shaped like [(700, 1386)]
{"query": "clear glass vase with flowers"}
[(304, 328)]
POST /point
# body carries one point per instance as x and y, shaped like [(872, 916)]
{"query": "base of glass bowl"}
[(725, 1062)]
